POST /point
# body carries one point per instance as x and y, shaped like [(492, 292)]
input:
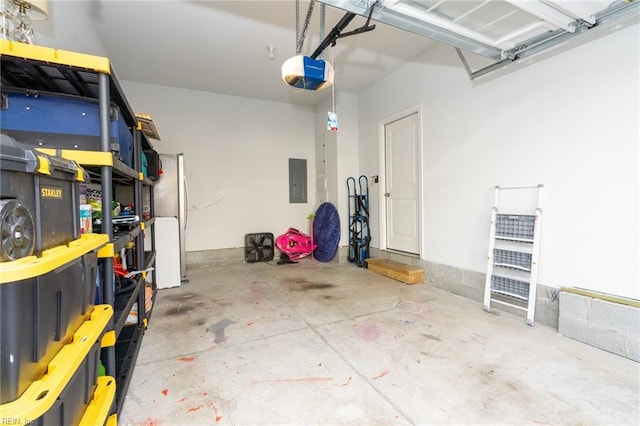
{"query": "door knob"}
[(386, 194)]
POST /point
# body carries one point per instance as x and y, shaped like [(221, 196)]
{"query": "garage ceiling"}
[(222, 46)]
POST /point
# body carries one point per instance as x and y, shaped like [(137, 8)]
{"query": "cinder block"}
[(575, 329), (632, 346), (607, 340), (623, 319), (574, 306), (602, 339)]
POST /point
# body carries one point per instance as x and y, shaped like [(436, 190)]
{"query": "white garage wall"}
[(342, 152), (69, 28), (236, 145), (569, 121)]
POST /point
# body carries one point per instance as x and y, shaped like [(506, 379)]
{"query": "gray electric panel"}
[(297, 180)]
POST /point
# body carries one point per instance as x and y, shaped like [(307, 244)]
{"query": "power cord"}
[(218, 201)]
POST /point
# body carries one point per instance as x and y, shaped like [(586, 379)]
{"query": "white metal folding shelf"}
[(512, 260)]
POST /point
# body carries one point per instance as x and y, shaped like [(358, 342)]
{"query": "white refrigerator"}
[(171, 212)]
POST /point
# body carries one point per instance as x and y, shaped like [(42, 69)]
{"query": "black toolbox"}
[(39, 315), (39, 200)]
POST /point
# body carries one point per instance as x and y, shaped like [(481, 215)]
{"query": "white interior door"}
[(402, 184)]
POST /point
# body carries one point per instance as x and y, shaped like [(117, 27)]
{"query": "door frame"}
[(382, 208)]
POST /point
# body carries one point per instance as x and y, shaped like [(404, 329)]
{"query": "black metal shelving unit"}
[(39, 70)]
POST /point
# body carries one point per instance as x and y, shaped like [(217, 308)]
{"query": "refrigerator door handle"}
[(186, 204)]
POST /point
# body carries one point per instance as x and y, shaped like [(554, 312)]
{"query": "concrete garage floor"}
[(316, 343)]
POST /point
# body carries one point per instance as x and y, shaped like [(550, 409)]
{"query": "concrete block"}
[(575, 329), (607, 340), (610, 326), (574, 306), (632, 347), (622, 319), (602, 339)]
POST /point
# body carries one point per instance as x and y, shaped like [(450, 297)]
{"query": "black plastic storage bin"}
[(77, 394), (63, 122), (38, 317), (39, 200), (154, 164)]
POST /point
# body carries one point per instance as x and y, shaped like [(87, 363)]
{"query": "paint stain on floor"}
[(187, 358), (305, 285), (382, 374), (316, 286), (347, 382), (218, 330), (368, 332), (431, 337), (215, 411)]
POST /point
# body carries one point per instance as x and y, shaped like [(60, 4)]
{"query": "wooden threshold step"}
[(398, 271)]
